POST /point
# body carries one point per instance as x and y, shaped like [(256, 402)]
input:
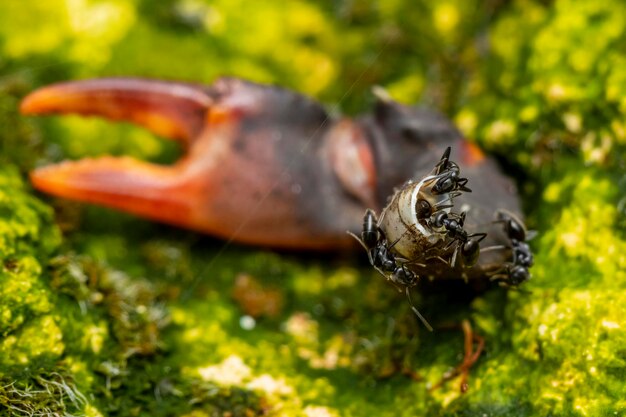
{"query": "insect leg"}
[(358, 240), (417, 313)]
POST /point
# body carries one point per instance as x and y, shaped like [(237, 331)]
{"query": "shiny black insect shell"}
[(469, 248), (449, 182), (403, 276), (471, 251), (513, 228), (450, 176), (522, 254), (382, 258), (423, 209), (453, 226), (517, 275), (516, 271), (370, 233)]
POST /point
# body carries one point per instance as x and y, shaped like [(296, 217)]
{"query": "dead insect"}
[(417, 232)]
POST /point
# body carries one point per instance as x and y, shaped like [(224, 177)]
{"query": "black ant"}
[(385, 262), (515, 272), (448, 173), (468, 246)]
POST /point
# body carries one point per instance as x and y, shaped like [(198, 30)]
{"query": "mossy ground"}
[(104, 314)]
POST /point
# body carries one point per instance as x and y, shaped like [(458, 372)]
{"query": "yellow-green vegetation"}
[(102, 314)]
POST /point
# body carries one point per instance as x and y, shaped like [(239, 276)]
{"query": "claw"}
[(122, 183), (173, 110), (247, 175), (263, 165)]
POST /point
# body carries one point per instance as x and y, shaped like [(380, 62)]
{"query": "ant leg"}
[(358, 240), (461, 184), (425, 257), (417, 313), (494, 247), (450, 197), (380, 271), (469, 358), (500, 275), (455, 256), (396, 241), (481, 236), (439, 258), (403, 262), (415, 262)]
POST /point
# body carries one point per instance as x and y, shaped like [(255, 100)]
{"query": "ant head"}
[(453, 169), (448, 173), (437, 219), (405, 276), (444, 185), (423, 209), (518, 275), (450, 181)]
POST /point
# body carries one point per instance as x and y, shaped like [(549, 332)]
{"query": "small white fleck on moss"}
[(573, 122), (270, 386), (232, 371), (610, 324), (542, 329), (318, 411), (247, 322)]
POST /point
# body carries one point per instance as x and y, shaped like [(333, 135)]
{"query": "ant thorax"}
[(404, 223)]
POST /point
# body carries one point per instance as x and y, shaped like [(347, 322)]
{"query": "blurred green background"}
[(103, 314)]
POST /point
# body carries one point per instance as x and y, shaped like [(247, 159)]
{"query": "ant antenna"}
[(417, 313), (396, 241), (452, 195), (494, 247), (358, 239), (443, 162)]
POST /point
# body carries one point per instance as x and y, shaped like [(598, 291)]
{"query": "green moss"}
[(75, 335), (123, 317), (32, 377), (48, 394)]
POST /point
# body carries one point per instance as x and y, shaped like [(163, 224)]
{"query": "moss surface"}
[(104, 314)]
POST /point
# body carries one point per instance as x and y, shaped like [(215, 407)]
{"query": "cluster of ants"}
[(466, 249)]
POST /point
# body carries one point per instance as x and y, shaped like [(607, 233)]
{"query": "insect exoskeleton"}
[(417, 227), (405, 221)]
